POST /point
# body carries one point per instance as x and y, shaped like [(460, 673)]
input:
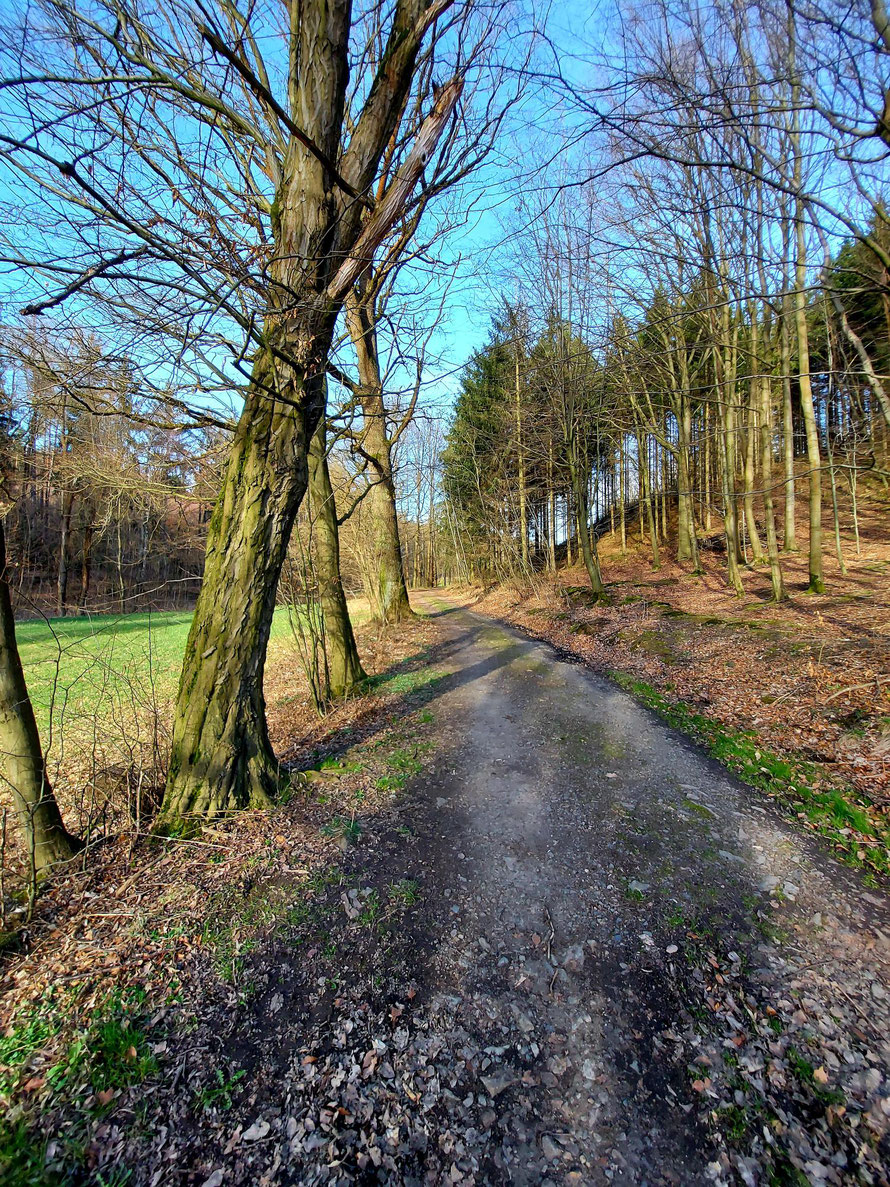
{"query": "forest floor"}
[(509, 927)]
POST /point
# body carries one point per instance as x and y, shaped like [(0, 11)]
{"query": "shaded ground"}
[(574, 950)]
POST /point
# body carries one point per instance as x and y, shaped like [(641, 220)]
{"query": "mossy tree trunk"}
[(322, 235), (382, 564), (221, 756), (22, 764), (345, 670)]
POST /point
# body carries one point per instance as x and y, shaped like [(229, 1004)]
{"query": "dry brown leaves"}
[(130, 912)]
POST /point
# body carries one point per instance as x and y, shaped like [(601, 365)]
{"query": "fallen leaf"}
[(256, 1132)]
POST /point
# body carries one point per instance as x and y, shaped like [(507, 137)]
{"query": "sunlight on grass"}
[(109, 668)]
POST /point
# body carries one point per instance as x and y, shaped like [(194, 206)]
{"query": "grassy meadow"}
[(109, 679)]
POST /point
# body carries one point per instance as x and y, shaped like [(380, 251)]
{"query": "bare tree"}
[(210, 213)]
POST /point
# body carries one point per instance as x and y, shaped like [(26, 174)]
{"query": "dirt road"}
[(622, 967)]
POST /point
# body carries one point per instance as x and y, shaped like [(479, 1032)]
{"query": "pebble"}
[(549, 1149)]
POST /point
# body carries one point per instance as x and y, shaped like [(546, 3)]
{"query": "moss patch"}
[(851, 823)]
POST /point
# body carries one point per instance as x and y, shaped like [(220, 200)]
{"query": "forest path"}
[(613, 909), (574, 951)]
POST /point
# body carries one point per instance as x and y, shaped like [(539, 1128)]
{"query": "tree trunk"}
[(551, 511), (62, 579), (750, 456), (382, 566), (588, 551), (687, 542), (789, 538), (432, 565), (345, 671), (706, 484), (621, 495), (814, 460), (221, 758), (725, 375), (766, 470), (838, 546), (86, 567), (520, 450), (21, 757), (646, 499), (121, 585)]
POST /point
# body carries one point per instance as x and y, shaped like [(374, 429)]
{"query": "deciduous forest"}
[(444, 602)]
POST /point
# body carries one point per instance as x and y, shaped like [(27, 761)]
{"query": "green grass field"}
[(108, 669)]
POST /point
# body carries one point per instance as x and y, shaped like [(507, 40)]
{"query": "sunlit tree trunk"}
[(383, 570), (22, 766), (807, 407), (789, 536), (687, 542), (725, 374), (646, 498), (814, 459), (344, 667), (751, 453), (707, 468), (766, 470)]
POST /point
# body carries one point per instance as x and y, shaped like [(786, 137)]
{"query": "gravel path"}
[(623, 967)]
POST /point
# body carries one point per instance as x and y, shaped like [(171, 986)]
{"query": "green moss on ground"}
[(846, 818)]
